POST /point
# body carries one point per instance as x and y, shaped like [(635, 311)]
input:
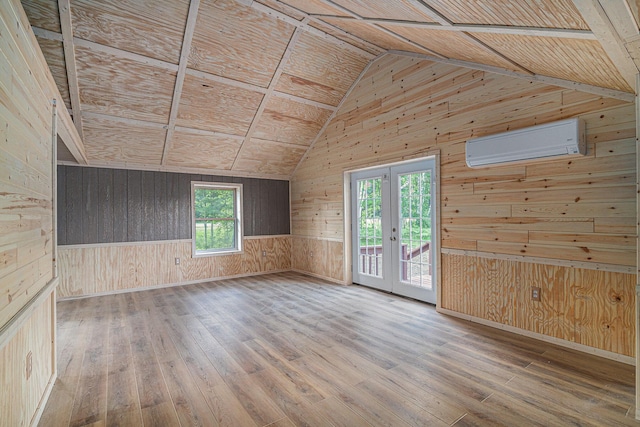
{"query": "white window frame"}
[(238, 218)]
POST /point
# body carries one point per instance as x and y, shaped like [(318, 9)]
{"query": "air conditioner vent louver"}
[(555, 139)]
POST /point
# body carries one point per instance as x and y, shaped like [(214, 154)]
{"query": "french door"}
[(394, 229)]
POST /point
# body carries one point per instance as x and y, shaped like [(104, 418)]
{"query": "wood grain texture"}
[(269, 157), (87, 270), (217, 107), (453, 45), (35, 338), (134, 90), (373, 34), (210, 151), (320, 70), (402, 10), (251, 55), (290, 121), (110, 141), (589, 307), (133, 26), (561, 58), (551, 14), (575, 210), (54, 54), (286, 349)]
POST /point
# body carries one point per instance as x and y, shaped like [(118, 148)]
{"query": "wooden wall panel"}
[(583, 306), (320, 257), (98, 205), (22, 396), (27, 322), (569, 217), (94, 269)]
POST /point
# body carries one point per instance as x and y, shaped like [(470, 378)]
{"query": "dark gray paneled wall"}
[(98, 205)]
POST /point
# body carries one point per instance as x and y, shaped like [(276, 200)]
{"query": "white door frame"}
[(436, 239)]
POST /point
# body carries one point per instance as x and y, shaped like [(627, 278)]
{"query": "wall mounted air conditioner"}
[(563, 138)]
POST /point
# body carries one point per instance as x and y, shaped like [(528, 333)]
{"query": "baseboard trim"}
[(553, 340), (168, 285), (45, 398), (319, 276)]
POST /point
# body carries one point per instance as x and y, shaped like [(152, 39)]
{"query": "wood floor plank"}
[(286, 350)]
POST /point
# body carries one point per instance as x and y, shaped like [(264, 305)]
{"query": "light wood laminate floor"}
[(286, 349)]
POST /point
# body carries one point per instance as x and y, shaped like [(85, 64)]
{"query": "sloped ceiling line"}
[(445, 22), (64, 9), (304, 25), (182, 68), (606, 31), (563, 33), (267, 96), (568, 84), (332, 116)]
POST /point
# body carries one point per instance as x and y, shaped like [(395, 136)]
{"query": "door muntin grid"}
[(415, 229), (369, 220)]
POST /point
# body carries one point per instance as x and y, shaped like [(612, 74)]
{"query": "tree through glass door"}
[(393, 221)]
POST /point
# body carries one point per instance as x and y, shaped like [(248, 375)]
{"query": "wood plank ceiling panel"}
[(108, 141), (214, 106), (315, 7), (281, 7), (153, 29), (203, 151), (289, 121), (54, 54), (320, 70), (373, 34), (43, 14), (268, 157), (526, 13), (577, 60), (397, 9), (452, 45), (123, 87), (346, 37), (238, 42)]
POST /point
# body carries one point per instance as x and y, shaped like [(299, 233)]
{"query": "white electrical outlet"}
[(264, 253), (177, 261)]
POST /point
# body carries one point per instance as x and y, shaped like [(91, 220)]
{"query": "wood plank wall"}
[(98, 269), (557, 220), (97, 205), (26, 219)]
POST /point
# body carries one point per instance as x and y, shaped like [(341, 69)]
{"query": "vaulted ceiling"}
[(245, 87)]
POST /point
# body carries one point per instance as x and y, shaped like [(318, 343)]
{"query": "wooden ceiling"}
[(245, 87)]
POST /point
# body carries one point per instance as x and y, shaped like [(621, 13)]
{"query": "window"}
[(217, 218)]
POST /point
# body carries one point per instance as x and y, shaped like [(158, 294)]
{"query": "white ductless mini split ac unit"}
[(551, 140)]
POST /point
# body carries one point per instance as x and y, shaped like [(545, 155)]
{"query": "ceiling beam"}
[(304, 25), (605, 31), (384, 30), (182, 69), (567, 84), (50, 35), (563, 33), (267, 96), (64, 9), (446, 22)]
